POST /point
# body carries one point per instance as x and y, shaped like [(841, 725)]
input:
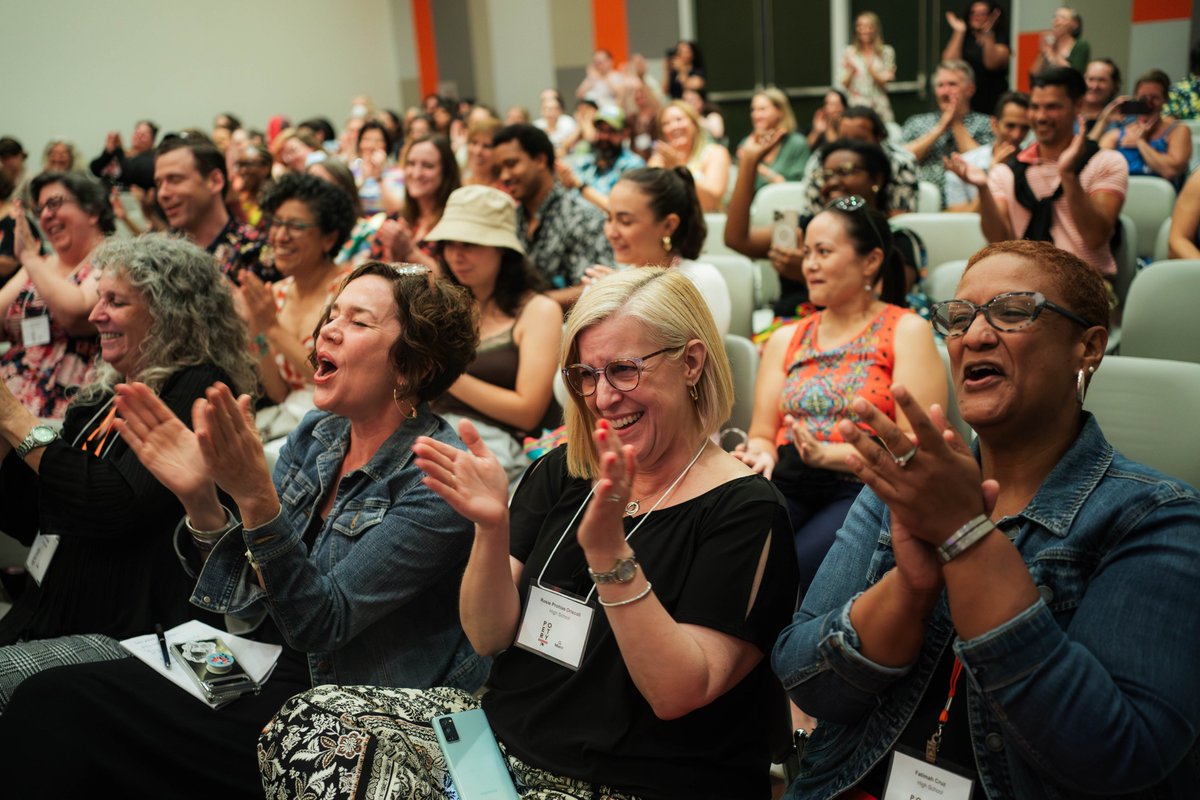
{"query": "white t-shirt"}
[(713, 289)]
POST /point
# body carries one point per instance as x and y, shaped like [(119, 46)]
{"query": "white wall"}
[(522, 52), (79, 68)]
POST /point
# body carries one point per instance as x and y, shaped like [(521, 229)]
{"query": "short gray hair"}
[(958, 65)]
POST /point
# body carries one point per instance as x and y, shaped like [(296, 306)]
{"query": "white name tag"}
[(35, 330), (40, 556), (911, 778), (555, 626)]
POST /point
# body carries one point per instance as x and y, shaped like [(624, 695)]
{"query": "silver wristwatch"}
[(38, 436), (622, 572)]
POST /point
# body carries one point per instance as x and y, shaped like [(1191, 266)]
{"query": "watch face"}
[(625, 570), (43, 434)]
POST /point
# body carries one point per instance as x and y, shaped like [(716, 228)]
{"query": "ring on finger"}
[(902, 461), (614, 498)]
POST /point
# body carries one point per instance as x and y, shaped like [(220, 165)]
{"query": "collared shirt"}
[(602, 181), (1106, 171), (239, 246), (901, 191), (568, 239), (930, 168), (1109, 646), (371, 591)]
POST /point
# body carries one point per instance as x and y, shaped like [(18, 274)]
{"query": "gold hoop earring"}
[(412, 407), (875, 188), (666, 243)]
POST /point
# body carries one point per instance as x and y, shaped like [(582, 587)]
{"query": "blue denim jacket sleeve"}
[(321, 601), (817, 657), (1108, 703)]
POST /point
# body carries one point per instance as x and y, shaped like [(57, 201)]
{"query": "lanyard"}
[(644, 517), (935, 742), (102, 430)]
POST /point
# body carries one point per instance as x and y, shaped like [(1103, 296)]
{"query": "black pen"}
[(162, 642)]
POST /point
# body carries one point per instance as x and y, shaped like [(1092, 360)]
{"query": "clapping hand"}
[(472, 482), (668, 155), (811, 449), (956, 22), (757, 145), (601, 527), (256, 301), (1070, 158), (233, 454), (162, 442), (396, 237), (969, 173)]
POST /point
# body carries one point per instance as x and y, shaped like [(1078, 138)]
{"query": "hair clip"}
[(411, 269)]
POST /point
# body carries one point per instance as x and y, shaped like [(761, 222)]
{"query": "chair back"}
[(743, 363), (786, 196), (739, 273), (1162, 241), (1148, 201), (1126, 258), (1162, 312), (943, 279), (714, 242), (929, 198), (947, 237), (1145, 407)]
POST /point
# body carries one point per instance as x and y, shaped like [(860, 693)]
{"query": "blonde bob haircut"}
[(777, 98), (672, 311), (700, 135)]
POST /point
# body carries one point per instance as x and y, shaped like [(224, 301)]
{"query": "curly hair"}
[(439, 328), (89, 193), (325, 201), (193, 321)]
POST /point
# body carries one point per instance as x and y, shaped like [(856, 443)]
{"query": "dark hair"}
[(7, 184), (1155, 76), (874, 159), (532, 140), (697, 54), (343, 179), (515, 281), (558, 98), (878, 129), (320, 124), (375, 125), (1077, 18), (1116, 72), (1014, 98), (327, 203), (992, 6), (839, 93), (1066, 77), (451, 179), (869, 230), (438, 327), (153, 128), (673, 191), (1083, 290), (90, 194), (206, 155), (1194, 58), (233, 122)]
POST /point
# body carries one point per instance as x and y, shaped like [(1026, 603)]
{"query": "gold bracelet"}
[(633, 599)]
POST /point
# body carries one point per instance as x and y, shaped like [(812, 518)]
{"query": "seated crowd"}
[(434, 404)]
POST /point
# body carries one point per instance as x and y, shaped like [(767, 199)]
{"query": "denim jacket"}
[(375, 601), (1091, 690)]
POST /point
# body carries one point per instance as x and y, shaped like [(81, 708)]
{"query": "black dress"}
[(115, 571)]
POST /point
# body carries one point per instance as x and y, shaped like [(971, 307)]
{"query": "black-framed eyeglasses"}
[(52, 204), (623, 374), (1007, 312), (855, 202), (290, 225)]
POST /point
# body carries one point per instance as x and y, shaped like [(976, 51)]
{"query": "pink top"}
[(1106, 171)]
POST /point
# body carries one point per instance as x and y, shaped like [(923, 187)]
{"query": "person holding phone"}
[(1151, 144)]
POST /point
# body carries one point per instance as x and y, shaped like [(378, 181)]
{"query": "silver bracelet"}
[(964, 538), (633, 599), (230, 523)]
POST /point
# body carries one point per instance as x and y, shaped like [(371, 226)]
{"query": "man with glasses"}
[(1062, 188), (190, 179)]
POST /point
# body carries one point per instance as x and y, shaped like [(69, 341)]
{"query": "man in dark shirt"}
[(562, 233), (189, 174), (134, 167)]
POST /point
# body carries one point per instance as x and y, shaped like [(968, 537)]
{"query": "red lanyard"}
[(105, 428), (935, 742)]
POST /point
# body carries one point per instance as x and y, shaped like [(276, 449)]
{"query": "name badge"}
[(35, 330), (913, 778), (555, 627), (40, 555)]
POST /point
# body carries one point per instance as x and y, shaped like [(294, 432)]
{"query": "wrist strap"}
[(964, 538)]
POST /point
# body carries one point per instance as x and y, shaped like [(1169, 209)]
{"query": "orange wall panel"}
[(427, 66), (1028, 45), (610, 28), (1158, 10)]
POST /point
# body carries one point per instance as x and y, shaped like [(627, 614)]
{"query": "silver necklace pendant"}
[(632, 508)]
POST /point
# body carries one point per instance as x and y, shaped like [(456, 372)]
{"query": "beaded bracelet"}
[(633, 599)]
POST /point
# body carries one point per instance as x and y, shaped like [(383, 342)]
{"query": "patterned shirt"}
[(589, 172), (902, 191), (1184, 101), (239, 246), (930, 168), (568, 239)]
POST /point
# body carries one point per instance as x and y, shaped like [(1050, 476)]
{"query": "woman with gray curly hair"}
[(102, 565)]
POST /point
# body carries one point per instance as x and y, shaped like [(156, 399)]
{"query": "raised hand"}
[(233, 454), (601, 528), (757, 145), (472, 482), (668, 155), (1002, 151), (258, 302), (811, 449), (968, 172), (1070, 158), (25, 246), (955, 22), (396, 237)]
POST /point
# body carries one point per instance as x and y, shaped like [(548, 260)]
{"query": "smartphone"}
[(783, 234), (215, 669), (1134, 107), (473, 757)]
